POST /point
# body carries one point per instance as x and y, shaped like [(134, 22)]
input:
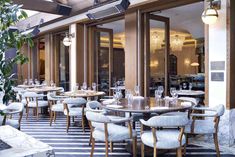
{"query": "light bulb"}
[(210, 16), (67, 41)]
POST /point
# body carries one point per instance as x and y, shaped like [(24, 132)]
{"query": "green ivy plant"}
[(10, 14)]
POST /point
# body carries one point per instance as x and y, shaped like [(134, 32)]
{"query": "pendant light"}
[(67, 41), (210, 15)]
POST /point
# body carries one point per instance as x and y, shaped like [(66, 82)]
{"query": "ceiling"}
[(184, 19)]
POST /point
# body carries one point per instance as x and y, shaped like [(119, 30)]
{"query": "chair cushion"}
[(166, 139), (58, 107), (115, 133), (201, 127), (74, 111), (41, 103), (12, 122), (24, 101)]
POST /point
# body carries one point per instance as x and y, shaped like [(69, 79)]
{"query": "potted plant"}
[(10, 14)]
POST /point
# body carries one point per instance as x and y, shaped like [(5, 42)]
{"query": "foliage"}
[(10, 14)]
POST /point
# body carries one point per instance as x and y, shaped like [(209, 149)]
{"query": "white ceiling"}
[(186, 19)]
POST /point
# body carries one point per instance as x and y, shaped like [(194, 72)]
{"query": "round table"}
[(84, 93), (44, 89), (29, 86), (147, 106)]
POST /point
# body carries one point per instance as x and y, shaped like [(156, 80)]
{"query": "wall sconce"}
[(187, 62), (210, 15), (67, 41)]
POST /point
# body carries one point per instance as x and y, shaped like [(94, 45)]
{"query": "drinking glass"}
[(158, 96), (94, 86), (137, 90), (84, 86), (184, 85), (130, 99), (127, 92), (77, 86), (30, 81), (160, 89), (172, 91), (190, 86), (44, 83), (52, 83), (25, 82), (37, 82)]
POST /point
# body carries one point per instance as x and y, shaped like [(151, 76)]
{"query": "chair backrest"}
[(50, 97), (93, 105), (74, 101), (30, 95), (220, 109), (192, 100), (97, 117), (166, 121), (16, 106)]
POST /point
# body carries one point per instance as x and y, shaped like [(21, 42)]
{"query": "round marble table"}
[(29, 86), (44, 89), (84, 93), (147, 106)]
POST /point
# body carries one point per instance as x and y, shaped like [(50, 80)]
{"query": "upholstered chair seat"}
[(56, 105), (74, 107), (34, 101), (205, 120), (105, 129), (13, 109), (164, 138), (117, 133)]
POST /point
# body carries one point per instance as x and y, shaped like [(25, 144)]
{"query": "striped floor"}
[(75, 143)]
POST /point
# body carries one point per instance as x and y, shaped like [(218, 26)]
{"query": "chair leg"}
[(51, 115), (179, 152), (54, 117), (92, 147), (83, 124), (216, 145), (73, 120), (185, 150), (90, 141), (111, 146), (37, 113), (154, 152), (68, 124), (106, 148), (27, 113), (134, 146), (142, 149)]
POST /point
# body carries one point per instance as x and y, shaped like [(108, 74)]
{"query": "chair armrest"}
[(214, 114), (115, 119), (203, 109)]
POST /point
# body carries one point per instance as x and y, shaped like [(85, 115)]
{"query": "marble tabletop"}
[(23, 144)]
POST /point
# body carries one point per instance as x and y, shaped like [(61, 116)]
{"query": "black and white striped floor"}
[(75, 143)]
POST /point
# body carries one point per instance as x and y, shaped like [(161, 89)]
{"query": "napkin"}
[(109, 101), (186, 104), (114, 106)]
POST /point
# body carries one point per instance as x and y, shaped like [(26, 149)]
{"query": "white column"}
[(73, 56), (218, 51)]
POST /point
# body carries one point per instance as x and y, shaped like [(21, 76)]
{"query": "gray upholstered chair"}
[(35, 101), (207, 123), (106, 130), (11, 110), (166, 138), (55, 104), (95, 106), (74, 107)]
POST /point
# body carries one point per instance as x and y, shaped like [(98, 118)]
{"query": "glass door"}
[(103, 56), (157, 36)]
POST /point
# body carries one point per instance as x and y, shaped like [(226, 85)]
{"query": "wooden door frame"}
[(147, 18), (92, 48)]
